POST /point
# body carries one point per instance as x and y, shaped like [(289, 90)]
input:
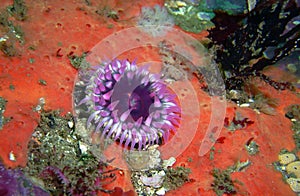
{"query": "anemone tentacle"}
[(130, 105)]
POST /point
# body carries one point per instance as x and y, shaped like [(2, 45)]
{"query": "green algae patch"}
[(176, 177), (191, 18), (12, 34), (222, 183), (252, 147), (79, 62), (296, 134), (293, 113), (18, 10), (62, 161), (3, 120)]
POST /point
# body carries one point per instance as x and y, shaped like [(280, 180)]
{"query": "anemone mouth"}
[(130, 105)]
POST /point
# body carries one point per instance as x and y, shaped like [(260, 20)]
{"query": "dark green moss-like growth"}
[(108, 12), (293, 113), (18, 10), (60, 158), (3, 120), (222, 183), (8, 49), (9, 41), (176, 177), (79, 62), (296, 135), (252, 147), (4, 18), (12, 34)]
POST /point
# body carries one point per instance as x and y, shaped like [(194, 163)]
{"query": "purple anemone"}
[(130, 105), (14, 182)]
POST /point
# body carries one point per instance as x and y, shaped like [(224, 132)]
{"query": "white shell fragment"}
[(161, 191), (83, 147), (154, 181), (169, 162), (41, 103), (245, 105), (70, 124), (12, 156)]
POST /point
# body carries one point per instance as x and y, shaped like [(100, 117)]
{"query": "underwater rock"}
[(189, 16), (155, 21), (143, 160)]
